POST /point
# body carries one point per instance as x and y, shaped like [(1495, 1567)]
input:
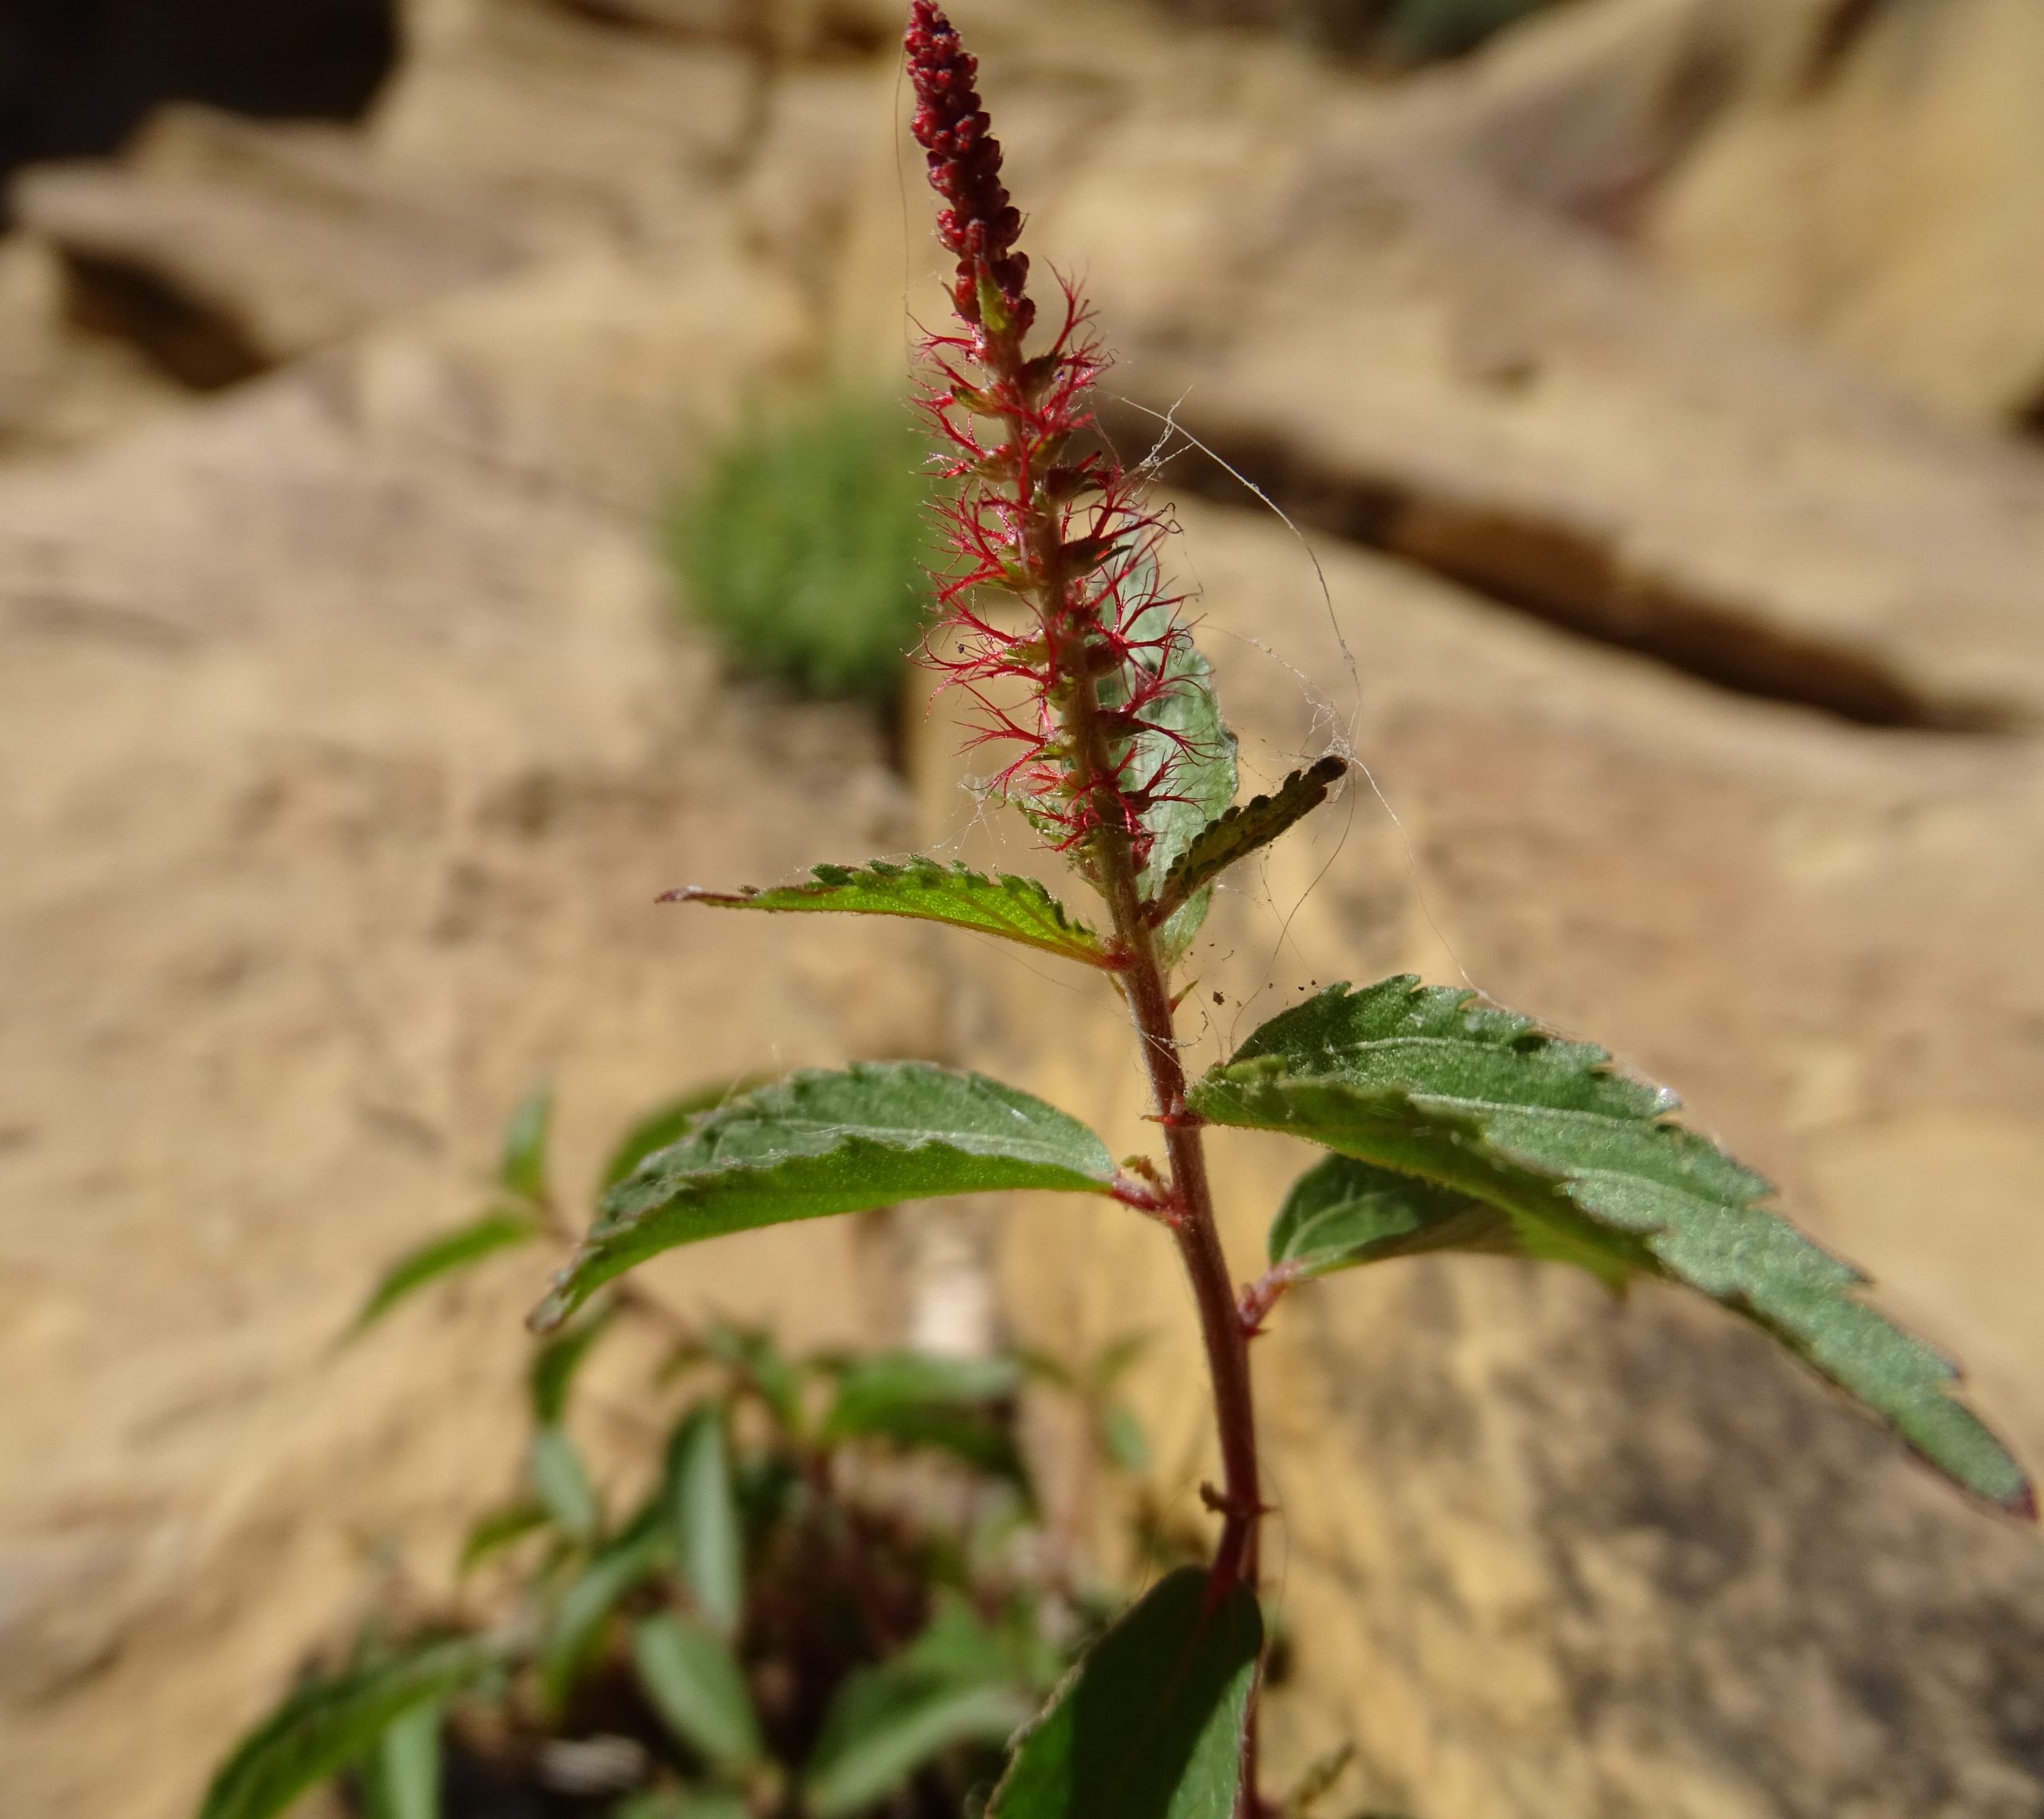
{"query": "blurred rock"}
[(1540, 1552), (61, 386), (566, 133), (351, 747), (223, 249), (1404, 359), (77, 76), (352, 738), (1878, 188)]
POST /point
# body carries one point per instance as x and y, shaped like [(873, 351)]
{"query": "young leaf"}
[(871, 1389), (954, 1684), (555, 1364), (441, 1256), (762, 1366), (498, 1530), (669, 1123), (1016, 908), (1586, 1166), (917, 1400), (957, 1646), (820, 1143), (1149, 1724), (693, 1680), (1341, 1213), (401, 1776), (562, 1482), (1242, 830), (576, 1626), (1191, 748), (523, 1170), (329, 1723), (702, 1513), (1123, 1436)]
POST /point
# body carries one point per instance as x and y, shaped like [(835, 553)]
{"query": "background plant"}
[(831, 1595), (803, 547)]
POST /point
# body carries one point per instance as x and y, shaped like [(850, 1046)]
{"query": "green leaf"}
[(441, 1256), (326, 1724), (1190, 747), (701, 1509), (523, 1170), (1016, 908), (498, 1530), (576, 1626), (762, 1366), (694, 1682), (688, 1803), (957, 1646), (555, 1364), (562, 1481), (669, 1123), (872, 1390), (1149, 1726), (1244, 829), (1586, 1166), (954, 1684), (820, 1143), (1123, 1436), (401, 1778), (916, 1400), (1117, 1358), (1341, 1213)]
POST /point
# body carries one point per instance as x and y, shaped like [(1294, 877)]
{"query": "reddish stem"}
[(1013, 536), (1142, 980)]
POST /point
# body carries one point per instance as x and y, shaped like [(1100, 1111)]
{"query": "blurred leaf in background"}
[(1422, 31), (804, 548)]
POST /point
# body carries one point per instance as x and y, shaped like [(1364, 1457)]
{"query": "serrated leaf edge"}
[(1219, 845), (1068, 936), (1514, 1029)]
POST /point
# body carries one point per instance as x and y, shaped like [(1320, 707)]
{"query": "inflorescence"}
[(1062, 527)]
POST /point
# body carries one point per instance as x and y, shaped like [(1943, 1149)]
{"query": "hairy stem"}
[(1142, 978)]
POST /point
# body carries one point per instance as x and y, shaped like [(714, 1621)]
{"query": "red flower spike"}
[(1070, 535)]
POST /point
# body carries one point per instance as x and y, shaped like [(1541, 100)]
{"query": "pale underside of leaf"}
[(1587, 1165), (820, 1143), (1245, 828), (1342, 1213), (1189, 754), (1149, 1724), (1015, 909)]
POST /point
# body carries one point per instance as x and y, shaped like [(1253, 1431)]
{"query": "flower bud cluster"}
[(981, 225), (1038, 513)]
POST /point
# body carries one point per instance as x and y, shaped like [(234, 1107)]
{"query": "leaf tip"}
[(699, 894), (546, 1319), (2022, 1502)]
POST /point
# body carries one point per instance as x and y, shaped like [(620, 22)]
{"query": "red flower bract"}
[(1063, 528)]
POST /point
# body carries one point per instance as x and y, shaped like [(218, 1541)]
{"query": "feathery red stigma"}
[(1066, 531)]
